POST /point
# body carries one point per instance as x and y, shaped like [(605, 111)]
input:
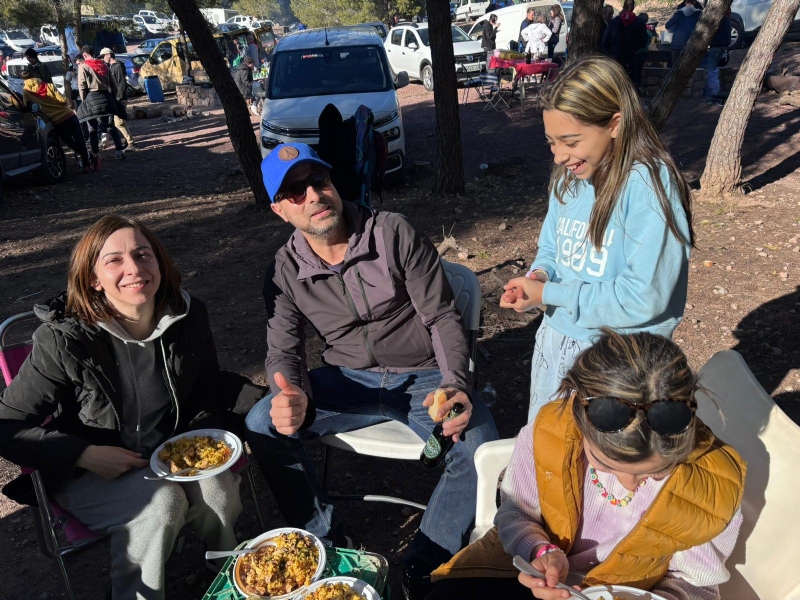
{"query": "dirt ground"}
[(184, 182)]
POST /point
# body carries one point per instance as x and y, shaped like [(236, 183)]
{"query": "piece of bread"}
[(439, 398)]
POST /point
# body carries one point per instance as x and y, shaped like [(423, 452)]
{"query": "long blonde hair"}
[(592, 91)]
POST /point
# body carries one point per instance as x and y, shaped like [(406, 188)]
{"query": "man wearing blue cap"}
[(374, 289)]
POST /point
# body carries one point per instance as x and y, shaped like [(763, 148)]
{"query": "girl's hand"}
[(522, 294), (110, 461), (555, 566)]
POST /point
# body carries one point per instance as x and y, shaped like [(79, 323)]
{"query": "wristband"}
[(532, 274), (547, 549)]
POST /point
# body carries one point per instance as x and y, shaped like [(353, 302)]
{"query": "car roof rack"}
[(412, 23)]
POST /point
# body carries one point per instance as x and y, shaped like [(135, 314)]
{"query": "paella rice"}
[(334, 591), (199, 452), (280, 569)]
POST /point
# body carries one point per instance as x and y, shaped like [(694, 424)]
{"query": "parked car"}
[(48, 34), (28, 142), (16, 66), (469, 10), (747, 17), (150, 25), (408, 48), (510, 18), (133, 64), (264, 23), (17, 40), (343, 66), (148, 46), (241, 21)]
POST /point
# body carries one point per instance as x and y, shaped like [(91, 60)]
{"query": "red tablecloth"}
[(523, 69)]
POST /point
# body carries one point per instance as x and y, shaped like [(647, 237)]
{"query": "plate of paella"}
[(207, 452)]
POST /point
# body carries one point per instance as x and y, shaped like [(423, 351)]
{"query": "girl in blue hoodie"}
[(614, 247)]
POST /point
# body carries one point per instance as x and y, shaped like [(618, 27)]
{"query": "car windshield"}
[(320, 72), (458, 35), (139, 59), (17, 35), (149, 20)]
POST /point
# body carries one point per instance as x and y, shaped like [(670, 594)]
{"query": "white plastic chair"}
[(394, 439), (764, 562)]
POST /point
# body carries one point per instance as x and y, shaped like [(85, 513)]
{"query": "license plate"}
[(475, 67)]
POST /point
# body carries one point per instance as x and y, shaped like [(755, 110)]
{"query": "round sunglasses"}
[(664, 416), (295, 192)]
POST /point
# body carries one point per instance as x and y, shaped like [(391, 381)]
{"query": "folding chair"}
[(471, 83), (763, 565), (51, 517), (493, 92), (394, 439)]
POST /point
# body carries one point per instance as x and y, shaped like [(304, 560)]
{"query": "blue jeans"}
[(712, 72), (348, 399)]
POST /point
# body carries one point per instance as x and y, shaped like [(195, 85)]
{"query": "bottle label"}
[(432, 448)]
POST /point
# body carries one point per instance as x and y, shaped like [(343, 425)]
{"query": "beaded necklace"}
[(610, 497)]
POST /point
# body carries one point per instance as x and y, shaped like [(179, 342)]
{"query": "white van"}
[(343, 66), (747, 17), (510, 18), (49, 35), (469, 10)]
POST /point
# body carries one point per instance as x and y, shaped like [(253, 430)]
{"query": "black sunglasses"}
[(665, 416), (295, 192)]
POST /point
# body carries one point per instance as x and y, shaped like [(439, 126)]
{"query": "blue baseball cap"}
[(281, 160)]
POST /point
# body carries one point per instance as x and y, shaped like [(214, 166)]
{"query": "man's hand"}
[(110, 461), (555, 567), (522, 294), (288, 407), (452, 427)]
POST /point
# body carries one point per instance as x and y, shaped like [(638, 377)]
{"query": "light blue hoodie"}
[(636, 281)]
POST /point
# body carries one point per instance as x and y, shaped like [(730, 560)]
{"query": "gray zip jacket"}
[(390, 307)]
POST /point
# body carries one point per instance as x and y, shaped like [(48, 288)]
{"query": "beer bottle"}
[(438, 444)]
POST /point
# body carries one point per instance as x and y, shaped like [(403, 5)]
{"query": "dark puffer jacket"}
[(72, 375)]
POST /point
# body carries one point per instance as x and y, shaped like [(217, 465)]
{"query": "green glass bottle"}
[(438, 445)]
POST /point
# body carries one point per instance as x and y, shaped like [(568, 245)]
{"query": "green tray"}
[(366, 566)]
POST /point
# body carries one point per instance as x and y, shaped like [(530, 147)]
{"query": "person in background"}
[(489, 35), (603, 489), (624, 37), (97, 103), (537, 35), (375, 290), (243, 77), (615, 244), (252, 49), (555, 23), (123, 361), (3, 66), (54, 105), (607, 12), (640, 58), (38, 68), (681, 25), (530, 16), (719, 45), (119, 74)]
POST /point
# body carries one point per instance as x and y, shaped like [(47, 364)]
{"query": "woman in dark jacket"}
[(555, 23), (122, 362)]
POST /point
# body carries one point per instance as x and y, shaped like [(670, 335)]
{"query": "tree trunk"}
[(61, 24), (682, 71), (76, 10), (245, 144), (584, 32), (450, 168), (723, 171)]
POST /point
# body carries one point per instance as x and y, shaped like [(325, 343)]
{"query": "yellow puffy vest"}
[(694, 506)]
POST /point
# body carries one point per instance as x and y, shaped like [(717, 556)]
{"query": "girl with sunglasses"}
[(614, 247), (618, 482)]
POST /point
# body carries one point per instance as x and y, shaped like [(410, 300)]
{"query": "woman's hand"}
[(555, 566), (110, 461), (522, 294)]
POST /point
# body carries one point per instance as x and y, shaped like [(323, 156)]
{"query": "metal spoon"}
[(175, 474), (213, 554), (524, 566)]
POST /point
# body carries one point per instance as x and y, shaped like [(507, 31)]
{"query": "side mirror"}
[(152, 60), (401, 80), (474, 36), (413, 46)]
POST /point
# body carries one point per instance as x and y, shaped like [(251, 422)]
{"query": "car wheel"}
[(427, 78), (737, 35), (55, 163)]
